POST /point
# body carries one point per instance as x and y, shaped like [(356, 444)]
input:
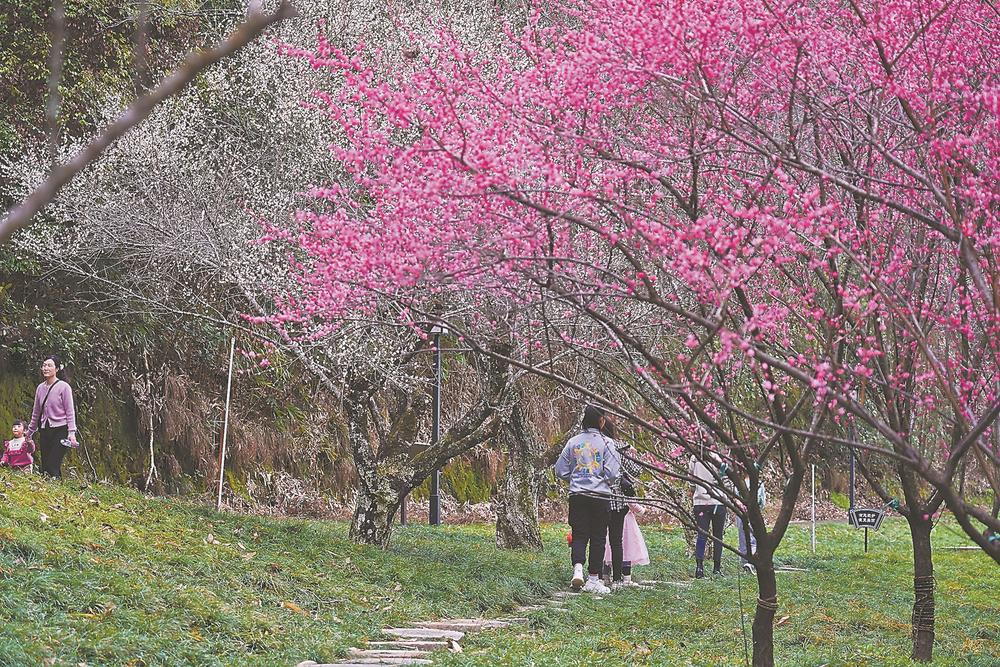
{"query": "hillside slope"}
[(102, 575)]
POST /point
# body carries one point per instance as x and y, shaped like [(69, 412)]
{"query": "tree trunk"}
[(922, 619), (517, 506), (516, 500), (373, 513), (767, 605)]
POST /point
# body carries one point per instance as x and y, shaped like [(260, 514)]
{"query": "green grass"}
[(848, 610), (104, 576)]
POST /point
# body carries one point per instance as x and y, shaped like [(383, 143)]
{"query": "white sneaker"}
[(577, 577), (750, 569), (595, 586), (628, 583)]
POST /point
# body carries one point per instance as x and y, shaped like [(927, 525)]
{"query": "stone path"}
[(415, 644)]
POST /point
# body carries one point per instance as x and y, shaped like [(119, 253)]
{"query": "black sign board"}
[(866, 517)]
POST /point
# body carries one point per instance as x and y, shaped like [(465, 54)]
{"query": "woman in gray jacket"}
[(590, 464)]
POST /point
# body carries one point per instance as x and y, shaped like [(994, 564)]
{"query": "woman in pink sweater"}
[(53, 417)]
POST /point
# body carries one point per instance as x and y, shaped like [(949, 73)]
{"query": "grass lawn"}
[(847, 610), (104, 576)]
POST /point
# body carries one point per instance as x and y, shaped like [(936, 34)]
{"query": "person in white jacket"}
[(709, 510), (590, 464)]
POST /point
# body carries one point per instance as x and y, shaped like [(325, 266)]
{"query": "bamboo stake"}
[(225, 423)]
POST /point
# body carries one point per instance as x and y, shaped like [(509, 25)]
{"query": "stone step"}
[(384, 661), (385, 653), (513, 619), (462, 624), (410, 645), (562, 595), (424, 633), (364, 662), (489, 623), (531, 607)]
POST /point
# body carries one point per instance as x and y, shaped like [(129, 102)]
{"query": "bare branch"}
[(194, 64)]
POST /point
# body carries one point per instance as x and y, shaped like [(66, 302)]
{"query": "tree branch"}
[(195, 63)]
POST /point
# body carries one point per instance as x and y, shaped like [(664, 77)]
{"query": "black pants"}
[(51, 449), (616, 528), (588, 517), (714, 517)]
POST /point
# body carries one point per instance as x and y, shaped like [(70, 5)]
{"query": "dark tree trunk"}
[(767, 605), (516, 501), (922, 619), (373, 514)]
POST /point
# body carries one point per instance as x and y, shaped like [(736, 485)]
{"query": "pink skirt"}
[(633, 546)]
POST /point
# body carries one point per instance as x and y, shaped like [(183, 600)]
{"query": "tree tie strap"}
[(923, 604), (770, 604)]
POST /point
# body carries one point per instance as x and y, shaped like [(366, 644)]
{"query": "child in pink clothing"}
[(18, 450), (634, 551)]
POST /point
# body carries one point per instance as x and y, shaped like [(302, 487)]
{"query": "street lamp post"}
[(850, 482), (435, 506)]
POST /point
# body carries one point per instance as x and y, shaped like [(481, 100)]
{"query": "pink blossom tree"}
[(747, 200)]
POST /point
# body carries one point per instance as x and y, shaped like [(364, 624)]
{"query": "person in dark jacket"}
[(621, 489)]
